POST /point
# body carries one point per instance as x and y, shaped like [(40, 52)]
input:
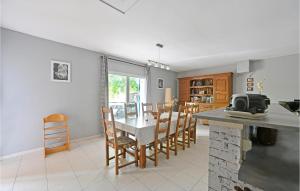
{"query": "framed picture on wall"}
[(160, 83), (60, 71)]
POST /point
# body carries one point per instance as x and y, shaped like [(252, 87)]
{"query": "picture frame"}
[(160, 83), (60, 71), (249, 89)]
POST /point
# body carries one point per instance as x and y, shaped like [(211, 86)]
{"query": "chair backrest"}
[(195, 107), (163, 121), (191, 110), (147, 108), (56, 118), (182, 118), (130, 109), (109, 124), (160, 106)]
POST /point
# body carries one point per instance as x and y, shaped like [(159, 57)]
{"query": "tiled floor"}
[(83, 168)]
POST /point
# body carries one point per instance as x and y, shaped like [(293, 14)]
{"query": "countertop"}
[(272, 168), (278, 118)]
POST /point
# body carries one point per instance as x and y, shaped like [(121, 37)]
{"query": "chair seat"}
[(123, 140), (191, 129)]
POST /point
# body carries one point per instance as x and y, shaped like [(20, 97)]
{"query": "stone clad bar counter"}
[(235, 163)]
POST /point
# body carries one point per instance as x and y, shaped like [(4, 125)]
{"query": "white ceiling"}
[(195, 33)]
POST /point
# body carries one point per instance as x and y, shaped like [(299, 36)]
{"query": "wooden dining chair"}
[(117, 142), (180, 130), (130, 110), (160, 106), (191, 129), (161, 134), (196, 109), (56, 133), (147, 108)]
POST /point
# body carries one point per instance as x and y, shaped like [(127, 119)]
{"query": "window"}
[(123, 89)]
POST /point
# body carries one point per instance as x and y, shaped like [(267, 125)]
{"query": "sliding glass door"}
[(123, 89)]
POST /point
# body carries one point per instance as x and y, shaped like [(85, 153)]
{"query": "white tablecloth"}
[(143, 127)]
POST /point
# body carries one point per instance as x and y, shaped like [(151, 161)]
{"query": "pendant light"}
[(158, 64)]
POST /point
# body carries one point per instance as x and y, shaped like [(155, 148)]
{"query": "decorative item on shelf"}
[(60, 71), (260, 86), (250, 82)]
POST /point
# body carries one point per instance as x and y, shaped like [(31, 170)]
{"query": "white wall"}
[(170, 81), (29, 95), (281, 76)]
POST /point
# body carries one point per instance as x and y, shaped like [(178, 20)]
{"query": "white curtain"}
[(148, 79), (103, 81)]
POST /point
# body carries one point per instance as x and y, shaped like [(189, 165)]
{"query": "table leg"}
[(142, 156)]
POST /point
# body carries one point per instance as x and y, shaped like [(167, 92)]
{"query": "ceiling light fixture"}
[(158, 64)]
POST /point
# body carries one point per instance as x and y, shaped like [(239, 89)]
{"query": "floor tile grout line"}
[(169, 179), (82, 151), (145, 184), (81, 187), (19, 166), (94, 162), (195, 184), (46, 172)]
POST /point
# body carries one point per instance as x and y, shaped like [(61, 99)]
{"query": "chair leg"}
[(107, 154), (155, 153), (161, 146), (116, 161), (189, 138), (136, 155), (124, 152), (168, 149), (195, 134), (183, 140), (176, 143)]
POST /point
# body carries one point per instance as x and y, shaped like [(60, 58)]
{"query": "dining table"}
[(143, 128)]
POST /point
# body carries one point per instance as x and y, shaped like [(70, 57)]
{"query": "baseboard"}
[(85, 138), (21, 153), (41, 149)]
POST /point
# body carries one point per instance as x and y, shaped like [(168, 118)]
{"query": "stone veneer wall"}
[(224, 158)]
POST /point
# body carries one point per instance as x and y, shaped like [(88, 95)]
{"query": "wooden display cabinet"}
[(210, 91)]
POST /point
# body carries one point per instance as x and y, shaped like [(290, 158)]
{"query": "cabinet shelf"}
[(211, 86), (193, 95)]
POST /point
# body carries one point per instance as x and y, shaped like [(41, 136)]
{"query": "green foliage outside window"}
[(117, 85), (134, 85)]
